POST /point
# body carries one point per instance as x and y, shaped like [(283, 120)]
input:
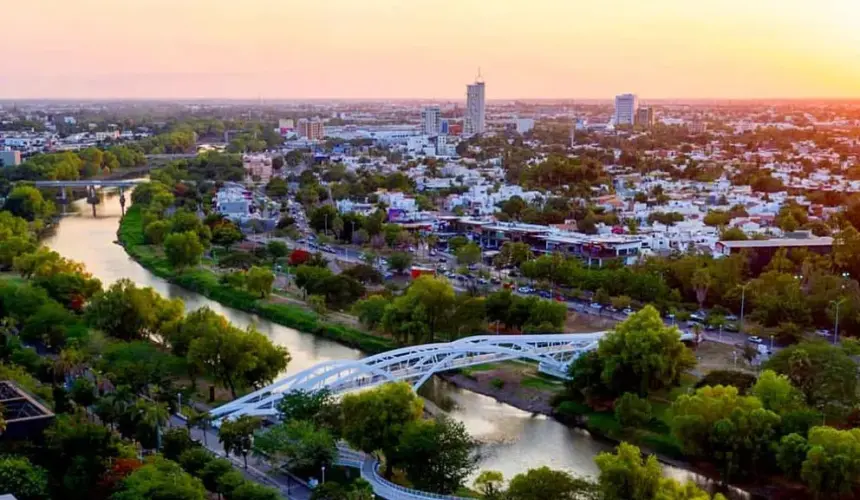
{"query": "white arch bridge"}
[(416, 364)]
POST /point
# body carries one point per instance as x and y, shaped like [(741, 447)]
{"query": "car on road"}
[(482, 281), (627, 311), (525, 289), (443, 259), (595, 305), (544, 294), (755, 339), (822, 333), (495, 281)]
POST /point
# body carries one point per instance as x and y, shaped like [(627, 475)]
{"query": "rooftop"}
[(779, 243)]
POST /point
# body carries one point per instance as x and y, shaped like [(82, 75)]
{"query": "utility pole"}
[(743, 300)]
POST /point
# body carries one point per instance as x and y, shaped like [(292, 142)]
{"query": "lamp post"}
[(323, 474), (743, 303), (837, 303)]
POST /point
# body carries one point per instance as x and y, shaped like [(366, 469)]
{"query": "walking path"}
[(258, 470)]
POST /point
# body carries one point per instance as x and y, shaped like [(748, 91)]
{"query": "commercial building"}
[(474, 122), (625, 109), (258, 167), (431, 118), (312, 129), (761, 252), (10, 158), (645, 116)]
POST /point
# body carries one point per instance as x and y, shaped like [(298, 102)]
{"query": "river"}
[(512, 440)]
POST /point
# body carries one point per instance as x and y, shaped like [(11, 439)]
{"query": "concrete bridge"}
[(91, 185)]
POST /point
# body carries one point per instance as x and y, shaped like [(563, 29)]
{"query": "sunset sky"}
[(429, 48)]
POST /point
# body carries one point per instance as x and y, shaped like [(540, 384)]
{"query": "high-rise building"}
[(310, 129), (431, 118), (625, 109), (645, 116), (474, 119)]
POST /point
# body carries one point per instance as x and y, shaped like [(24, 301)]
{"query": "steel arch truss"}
[(415, 365)]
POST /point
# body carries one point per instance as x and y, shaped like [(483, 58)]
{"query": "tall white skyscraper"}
[(625, 109), (474, 120), (431, 119)]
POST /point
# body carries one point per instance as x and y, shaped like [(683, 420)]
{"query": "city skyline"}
[(387, 49)]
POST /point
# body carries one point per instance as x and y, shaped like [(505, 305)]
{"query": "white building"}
[(431, 118), (474, 119), (524, 125), (625, 109)]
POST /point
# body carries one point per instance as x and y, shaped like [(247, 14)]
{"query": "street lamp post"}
[(323, 474), (743, 303), (837, 303)]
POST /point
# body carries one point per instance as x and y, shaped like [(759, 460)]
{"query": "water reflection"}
[(512, 441)]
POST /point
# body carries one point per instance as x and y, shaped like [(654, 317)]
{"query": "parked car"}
[(443, 259), (495, 281), (627, 311), (525, 289), (595, 305), (611, 309), (482, 281), (544, 294), (755, 340)]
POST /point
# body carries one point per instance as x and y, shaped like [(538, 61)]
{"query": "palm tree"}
[(150, 416), (199, 419)]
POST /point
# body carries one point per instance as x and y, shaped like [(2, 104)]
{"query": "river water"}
[(512, 441)]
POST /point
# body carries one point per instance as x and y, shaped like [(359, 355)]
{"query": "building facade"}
[(431, 118), (625, 109), (474, 122), (10, 158), (645, 117), (310, 129)]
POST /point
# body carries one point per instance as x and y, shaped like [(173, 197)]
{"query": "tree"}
[(183, 249), (137, 364), (317, 305), (399, 262), (371, 311), (224, 234), (27, 202), (157, 231), (83, 392), (625, 475), (824, 373), (514, 207), (375, 419), (632, 411), (22, 479), (468, 254), (513, 254), (50, 326), (437, 455), (490, 484), (776, 392), (423, 311), (831, 465), (791, 453), (126, 312), (163, 479), (544, 483), (237, 435), (238, 358), (318, 407), (277, 250), (643, 354), (259, 280), (249, 490), (732, 430), (79, 450), (701, 282), (298, 445), (175, 442)]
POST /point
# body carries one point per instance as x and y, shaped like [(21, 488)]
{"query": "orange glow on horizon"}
[(430, 48)]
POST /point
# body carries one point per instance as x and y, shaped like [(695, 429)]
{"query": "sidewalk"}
[(258, 470)]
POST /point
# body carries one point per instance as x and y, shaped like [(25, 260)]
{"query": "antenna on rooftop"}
[(479, 78)]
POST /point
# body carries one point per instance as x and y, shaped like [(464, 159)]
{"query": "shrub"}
[(743, 381), (632, 411)]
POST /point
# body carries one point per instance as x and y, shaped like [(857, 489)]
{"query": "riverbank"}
[(206, 283)]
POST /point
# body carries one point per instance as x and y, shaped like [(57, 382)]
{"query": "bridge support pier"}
[(122, 200)]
